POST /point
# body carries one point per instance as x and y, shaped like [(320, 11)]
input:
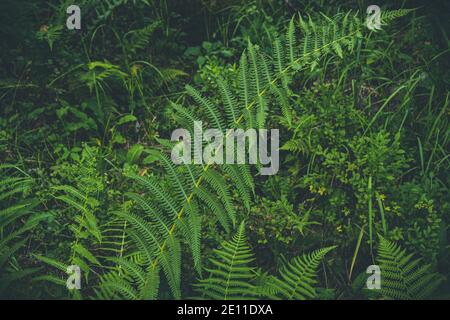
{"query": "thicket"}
[(86, 176)]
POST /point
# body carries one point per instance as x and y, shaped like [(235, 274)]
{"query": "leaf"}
[(126, 119), (85, 253), (134, 153)]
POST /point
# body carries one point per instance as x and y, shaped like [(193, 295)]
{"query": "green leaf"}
[(126, 119), (134, 153), (85, 253)]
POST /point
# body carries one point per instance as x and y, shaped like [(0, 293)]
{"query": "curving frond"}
[(139, 38), (387, 16), (297, 278)]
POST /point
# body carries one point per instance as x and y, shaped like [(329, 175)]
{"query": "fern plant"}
[(134, 283), (297, 278), (387, 16), (402, 277), (139, 38), (130, 279), (17, 218), (232, 276), (168, 211), (83, 203)]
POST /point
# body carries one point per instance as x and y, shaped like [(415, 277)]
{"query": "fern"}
[(297, 143), (83, 203), (387, 16), (115, 241), (297, 278), (129, 281), (173, 210), (402, 277), (232, 275), (17, 218), (138, 39), (133, 275)]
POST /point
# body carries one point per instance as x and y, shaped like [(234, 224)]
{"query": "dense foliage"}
[(86, 118)]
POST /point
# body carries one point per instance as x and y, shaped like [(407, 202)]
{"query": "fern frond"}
[(129, 280), (191, 229), (236, 176), (170, 261), (387, 16), (139, 39), (185, 117), (159, 221), (208, 106), (298, 277), (114, 240), (177, 182), (215, 206), (403, 278), (17, 217), (246, 91), (279, 62), (116, 286), (258, 83), (218, 184), (230, 103), (291, 42), (231, 274), (154, 188)]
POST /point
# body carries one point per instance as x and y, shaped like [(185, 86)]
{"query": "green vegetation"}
[(87, 179)]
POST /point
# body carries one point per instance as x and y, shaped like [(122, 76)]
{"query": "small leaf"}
[(126, 119), (134, 153), (85, 253)]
